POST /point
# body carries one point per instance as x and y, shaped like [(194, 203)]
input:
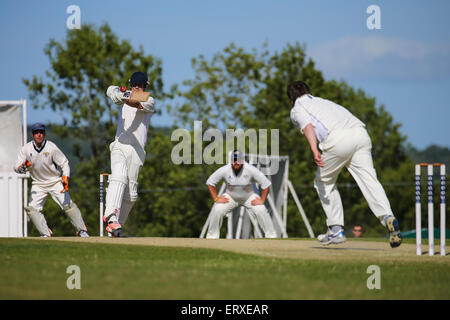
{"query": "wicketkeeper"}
[(41, 157), (239, 177), (127, 153)]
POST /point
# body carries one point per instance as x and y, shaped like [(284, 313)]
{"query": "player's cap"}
[(238, 156), (139, 77), (36, 127)]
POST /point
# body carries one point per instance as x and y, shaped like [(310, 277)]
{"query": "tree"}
[(430, 154), (239, 88), (219, 93), (236, 88)]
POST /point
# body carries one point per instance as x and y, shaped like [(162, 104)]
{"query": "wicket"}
[(102, 175), (430, 167)]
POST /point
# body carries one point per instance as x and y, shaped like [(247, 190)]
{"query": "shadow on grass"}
[(355, 249)]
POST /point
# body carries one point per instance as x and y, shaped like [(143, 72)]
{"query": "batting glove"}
[(114, 93), (24, 166), (65, 182)]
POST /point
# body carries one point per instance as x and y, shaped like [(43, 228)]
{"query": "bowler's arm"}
[(310, 135)]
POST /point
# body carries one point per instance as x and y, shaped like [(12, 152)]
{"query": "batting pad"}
[(125, 209), (117, 183), (74, 215), (39, 221)]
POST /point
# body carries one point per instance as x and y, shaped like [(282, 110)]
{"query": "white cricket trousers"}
[(39, 195), (351, 148), (126, 162), (258, 212)]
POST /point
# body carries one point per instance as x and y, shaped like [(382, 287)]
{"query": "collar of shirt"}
[(42, 145), (237, 173), (303, 97)]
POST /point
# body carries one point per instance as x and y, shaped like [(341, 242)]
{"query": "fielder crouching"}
[(41, 157), (239, 177)]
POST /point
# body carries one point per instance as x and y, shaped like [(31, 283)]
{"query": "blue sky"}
[(405, 64)]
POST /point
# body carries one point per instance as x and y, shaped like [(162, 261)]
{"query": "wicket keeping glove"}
[(24, 166), (65, 183)]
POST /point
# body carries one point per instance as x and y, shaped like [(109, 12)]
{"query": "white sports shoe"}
[(330, 237), (83, 234)]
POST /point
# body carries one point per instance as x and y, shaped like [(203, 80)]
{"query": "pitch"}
[(302, 249)]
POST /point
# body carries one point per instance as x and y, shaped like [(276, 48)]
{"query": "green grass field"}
[(36, 269)]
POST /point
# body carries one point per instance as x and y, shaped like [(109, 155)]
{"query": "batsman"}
[(127, 153), (42, 158)]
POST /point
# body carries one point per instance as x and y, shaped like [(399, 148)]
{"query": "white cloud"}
[(376, 56)]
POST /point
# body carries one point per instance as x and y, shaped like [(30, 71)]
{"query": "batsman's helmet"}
[(37, 127), (139, 78)]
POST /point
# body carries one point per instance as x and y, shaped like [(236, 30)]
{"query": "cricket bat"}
[(136, 96)]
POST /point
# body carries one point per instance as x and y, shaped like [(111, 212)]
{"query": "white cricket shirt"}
[(240, 186), (325, 115), (133, 123), (43, 161)]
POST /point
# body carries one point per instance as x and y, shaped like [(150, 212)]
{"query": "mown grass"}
[(34, 269)]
